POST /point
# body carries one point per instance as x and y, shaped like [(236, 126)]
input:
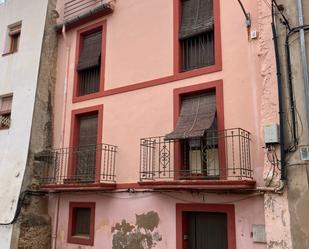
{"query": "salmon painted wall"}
[(148, 112), (129, 205), (139, 47)]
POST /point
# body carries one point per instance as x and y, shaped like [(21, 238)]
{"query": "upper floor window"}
[(196, 34), (89, 63), (13, 38), (5, 111), (196, 130)]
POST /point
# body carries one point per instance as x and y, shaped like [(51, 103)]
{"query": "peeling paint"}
[(142, 235)]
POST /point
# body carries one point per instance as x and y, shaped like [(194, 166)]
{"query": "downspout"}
[(65, 97), (65, 87), (303, 56), (283, 176), (55, 228)]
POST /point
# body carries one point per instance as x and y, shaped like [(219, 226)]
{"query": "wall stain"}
[(142, 235)]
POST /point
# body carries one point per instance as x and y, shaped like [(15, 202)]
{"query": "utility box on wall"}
[(271, 134)]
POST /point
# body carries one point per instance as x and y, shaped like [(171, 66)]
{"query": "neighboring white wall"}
[(18, 75)]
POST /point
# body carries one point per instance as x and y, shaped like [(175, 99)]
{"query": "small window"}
[(81, 223), (89, 63), (196, 35), (5, 111), (14, 31)]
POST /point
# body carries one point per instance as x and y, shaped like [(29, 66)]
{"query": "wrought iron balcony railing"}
[(219, 155), (84, 164), (74, 8)]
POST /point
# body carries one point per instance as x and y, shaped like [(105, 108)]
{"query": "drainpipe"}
[(55, 227), (280, 100), (65, 87), (303, 56)]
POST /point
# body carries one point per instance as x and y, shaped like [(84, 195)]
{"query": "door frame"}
[(228, 209), (76, 114)]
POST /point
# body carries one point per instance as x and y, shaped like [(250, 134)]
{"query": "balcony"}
[(84, 167), (78, 12), (219, 160)]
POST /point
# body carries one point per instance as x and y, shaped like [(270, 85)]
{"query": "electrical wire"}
[(20, 202)]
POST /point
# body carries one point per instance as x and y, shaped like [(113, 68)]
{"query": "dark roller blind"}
[(82, 221), (207, 230), (91, 51), (196, 116), (88, 130), (197, 17)]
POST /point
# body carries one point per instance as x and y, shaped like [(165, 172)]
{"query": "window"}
[(197, 131), (196, 34), (89, 63), (81, 223), (205, 226), (5, 111), (14, 31), (85, 145)]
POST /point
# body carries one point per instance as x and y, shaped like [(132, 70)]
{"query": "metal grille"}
[(59, 166), (5, 121), (89, 81), (219, 155), (197, 51)]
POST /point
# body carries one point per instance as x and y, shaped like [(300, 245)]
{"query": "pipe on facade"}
[(280, 99), (65, 87), (55, 228), (303, 55)]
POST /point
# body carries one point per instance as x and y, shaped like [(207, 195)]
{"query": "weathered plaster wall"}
[(18, 75), (33, 228), (298, 171), (113, 208)]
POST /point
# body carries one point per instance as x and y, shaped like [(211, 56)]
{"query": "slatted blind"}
[(82, 221), (89, 64), (196, 34), (87, 149), (6, 103), (196, 116)]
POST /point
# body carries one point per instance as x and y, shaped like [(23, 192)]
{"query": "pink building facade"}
[(157, 126)]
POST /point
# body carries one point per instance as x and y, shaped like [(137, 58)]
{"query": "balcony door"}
[(205, 230), (87, 148)]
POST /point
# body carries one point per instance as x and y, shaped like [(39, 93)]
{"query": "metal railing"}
[(219, 155), (74, 8), (84, 164)]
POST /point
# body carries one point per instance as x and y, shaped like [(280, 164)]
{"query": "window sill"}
[(8, 53)]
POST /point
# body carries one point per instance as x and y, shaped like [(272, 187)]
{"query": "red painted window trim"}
[(78, 240), (74, 134), (176, 75), (195, 89), (217, 32), (91, 28), (216, 208)]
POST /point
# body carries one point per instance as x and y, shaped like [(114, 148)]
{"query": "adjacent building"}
[(26, 76)]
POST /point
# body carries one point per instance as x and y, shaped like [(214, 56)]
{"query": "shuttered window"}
[(5, 111), (81, 223), (196, 34), (89, 63), (87, 148)]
